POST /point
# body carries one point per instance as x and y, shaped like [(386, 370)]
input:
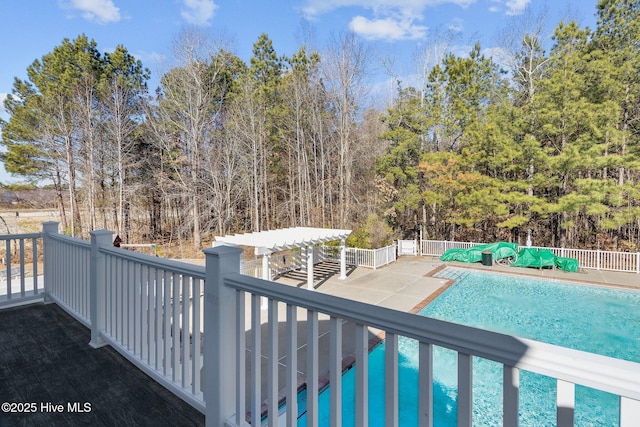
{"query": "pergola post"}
[(309, 250), (266, 266), (266, 275), (343, 259)]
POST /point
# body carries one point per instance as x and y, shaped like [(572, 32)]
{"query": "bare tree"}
[(345, 70), (187, 116), (522, 50), (123, 94), (432, 54), (246, 122)]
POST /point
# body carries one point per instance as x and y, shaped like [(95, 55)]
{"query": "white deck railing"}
[(138, 304), (67, 274), (20, 280), (230, 291), (153, 315), (147, 308), (587, 258)]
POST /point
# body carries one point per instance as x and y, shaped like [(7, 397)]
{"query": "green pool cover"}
[(499, 250), (524, 257), (540, 258), (531, 257)]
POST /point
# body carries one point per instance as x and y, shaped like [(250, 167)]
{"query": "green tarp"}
[(498, 250), (567, 264), (540, 258), (531, 257), (525, 257)]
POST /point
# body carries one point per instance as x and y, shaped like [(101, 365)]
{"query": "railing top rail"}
[(20, 236), (179, 267), (71, 240), (601, 372)]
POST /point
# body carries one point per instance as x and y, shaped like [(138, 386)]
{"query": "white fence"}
[(369, 258), (284, 262), (20, 280), (590, 259)]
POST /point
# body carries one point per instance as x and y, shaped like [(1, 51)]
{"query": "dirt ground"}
[(20, 221)]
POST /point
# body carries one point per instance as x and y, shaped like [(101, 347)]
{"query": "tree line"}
[(545, 143)]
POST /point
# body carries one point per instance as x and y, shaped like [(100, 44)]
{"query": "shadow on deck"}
[(45, 358)]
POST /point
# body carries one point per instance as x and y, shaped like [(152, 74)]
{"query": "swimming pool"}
[(597, 319)]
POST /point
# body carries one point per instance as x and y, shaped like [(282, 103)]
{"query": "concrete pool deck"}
[(409, 281)]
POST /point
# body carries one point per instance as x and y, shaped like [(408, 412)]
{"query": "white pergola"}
[(271, 241)]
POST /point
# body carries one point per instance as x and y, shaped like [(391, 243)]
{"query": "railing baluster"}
[(272, 367), (312, 368), (8, 259), (241, 351), (107, 295), (120, 306), (629, 412), (141, 307), (335, 371), (144, 313), (391, 379), (292, 365), (362, 375), (175, 330), (166, 333), (34, 255), (510, 395), (465, 392), (81, 287), (565, 403), (22, 272), (256, 362), (157, 333), (425, 384), (150, 317), (131, 305), (196, 361), (186, 333)]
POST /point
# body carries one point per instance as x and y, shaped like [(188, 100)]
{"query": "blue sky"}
[(30, 29)]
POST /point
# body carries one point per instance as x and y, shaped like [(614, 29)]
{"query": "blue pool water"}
[(591, 318)]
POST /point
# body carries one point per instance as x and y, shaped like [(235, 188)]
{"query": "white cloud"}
[(516, 7), (387, 28), (198, 12), (318, 7), (456, 25), (101, 11), (391, 20)]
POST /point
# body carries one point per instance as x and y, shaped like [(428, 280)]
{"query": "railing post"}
[(48, 228), (220, 335), (97, 285)]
